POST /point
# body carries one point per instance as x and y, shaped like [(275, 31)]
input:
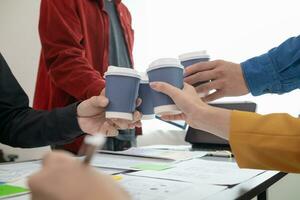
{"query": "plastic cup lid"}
[(122, 71), (165, 62), (193, 55)]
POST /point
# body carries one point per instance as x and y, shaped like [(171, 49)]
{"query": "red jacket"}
[(75, 45)]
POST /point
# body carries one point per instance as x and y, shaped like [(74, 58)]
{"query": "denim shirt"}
[(277, 71)]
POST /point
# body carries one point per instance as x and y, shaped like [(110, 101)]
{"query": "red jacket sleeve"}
[(61, 36)]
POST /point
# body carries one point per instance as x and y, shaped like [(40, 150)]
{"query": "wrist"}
[(215, 120), (79, 108)]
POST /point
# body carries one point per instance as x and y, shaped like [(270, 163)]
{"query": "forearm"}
[(276, 71), (266, 142), (215, 120), (21, 126), (28, 128)]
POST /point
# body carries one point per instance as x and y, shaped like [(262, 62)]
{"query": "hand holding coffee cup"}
[(122, 86), (167, 70), (189, 59)]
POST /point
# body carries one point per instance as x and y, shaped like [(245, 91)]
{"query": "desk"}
[(254, 187)]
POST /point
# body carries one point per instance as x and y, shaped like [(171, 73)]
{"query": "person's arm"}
[(277, 71), (266, 141), (270, 142), (21, 126), (61, 37)]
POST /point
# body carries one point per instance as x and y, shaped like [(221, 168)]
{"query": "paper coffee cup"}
[(167, 70), (192, 58), (189, 59), (146, 108), (122, 86)]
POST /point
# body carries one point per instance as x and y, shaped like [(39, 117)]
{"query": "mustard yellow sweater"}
[(266, 141)]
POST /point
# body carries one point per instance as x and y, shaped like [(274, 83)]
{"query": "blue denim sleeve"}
[(277, 71)]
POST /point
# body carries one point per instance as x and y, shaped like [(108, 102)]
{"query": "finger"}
[(138, 102), (199, 67), (184, 99), (112, 132), (207, 87), (121, 123), (131, 126), (138, 124), (137, 116), (173, 117), (34, 183), (108, 130), (110, 122), (99, 101), (166, 88), (200, 77), (214, 96), (102, 92)]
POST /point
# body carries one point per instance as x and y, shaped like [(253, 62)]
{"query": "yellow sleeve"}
[(266, 141)]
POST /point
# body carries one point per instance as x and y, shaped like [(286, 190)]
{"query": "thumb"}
[(99, 101), (166, 88), (184, 99), (174, 93)]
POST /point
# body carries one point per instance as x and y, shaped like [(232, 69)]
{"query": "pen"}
[(92, 143), (226, 154)]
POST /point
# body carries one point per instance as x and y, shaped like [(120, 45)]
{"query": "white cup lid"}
[(122, 71), (193, 55), (144, 78), (164, 62)]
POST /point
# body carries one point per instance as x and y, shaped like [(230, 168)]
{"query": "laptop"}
[(201, 140)]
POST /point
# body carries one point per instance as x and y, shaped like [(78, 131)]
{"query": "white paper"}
[(157, 189), (203, 171), (20, 197), (110, 171), (123, 162), (17, 171), (172, 155), (170, 147)]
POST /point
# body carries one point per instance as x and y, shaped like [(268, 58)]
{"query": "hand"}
[(195, 112), (226, 78), (91, 118), (65, 178)]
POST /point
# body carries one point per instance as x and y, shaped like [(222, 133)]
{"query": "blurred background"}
[(233, 30)]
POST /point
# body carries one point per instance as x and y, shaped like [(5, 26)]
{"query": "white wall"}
[(233, 30)]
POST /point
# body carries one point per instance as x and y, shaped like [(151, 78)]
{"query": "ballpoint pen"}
[(225, 154), (91, 144)]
